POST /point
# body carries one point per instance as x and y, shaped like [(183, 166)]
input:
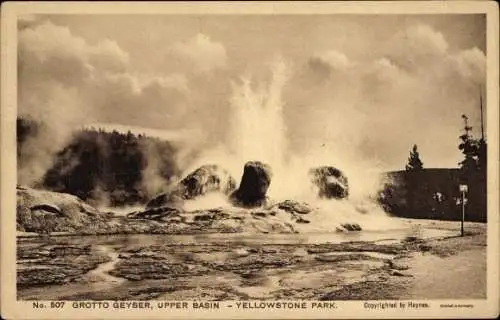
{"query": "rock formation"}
[(45, 211), (205, 179), (161, 213), (330, 181), (254, 184), (160, 200), (292, 206), (346, 227)]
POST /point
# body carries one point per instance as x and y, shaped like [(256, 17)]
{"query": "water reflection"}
[(249, 239)]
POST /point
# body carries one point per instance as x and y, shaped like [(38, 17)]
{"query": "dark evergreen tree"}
[(470, 148), (413, 182), (414, 162), (473, 169), (482, 155)]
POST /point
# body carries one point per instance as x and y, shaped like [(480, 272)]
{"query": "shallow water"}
[(273, 276), (101, 273), (252, 239)]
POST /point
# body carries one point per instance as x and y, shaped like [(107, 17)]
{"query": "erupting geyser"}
[(257, 142), (257, 130)]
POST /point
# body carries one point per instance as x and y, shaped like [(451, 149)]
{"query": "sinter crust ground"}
[(62, 268)]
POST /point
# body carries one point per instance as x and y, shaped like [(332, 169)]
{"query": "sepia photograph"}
[(183, 160)]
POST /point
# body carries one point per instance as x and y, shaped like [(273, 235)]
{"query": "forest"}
[(105, 167)]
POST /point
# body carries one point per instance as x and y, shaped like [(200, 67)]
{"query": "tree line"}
[(98, 165), (434, 193)]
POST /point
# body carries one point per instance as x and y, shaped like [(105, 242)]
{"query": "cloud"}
[(201, 51), (413, 91), (107, 55), (422, 39), (51, 52), (68, 82), (46, 45), (332, 59), (101, 85), (53, 62), (327, 64), (157, 102), (27, 21), (416, 46), (471, 64), (97, 79)]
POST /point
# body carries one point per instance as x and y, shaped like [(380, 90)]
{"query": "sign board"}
[(463, 188)]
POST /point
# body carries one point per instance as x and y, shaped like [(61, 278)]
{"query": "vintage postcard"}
[(223, 160)]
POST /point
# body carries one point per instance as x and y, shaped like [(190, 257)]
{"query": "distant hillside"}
[(109, 168), (436, 195)]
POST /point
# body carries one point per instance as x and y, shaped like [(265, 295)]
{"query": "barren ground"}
[(131, 268)]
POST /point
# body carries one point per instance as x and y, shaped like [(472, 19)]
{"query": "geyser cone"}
[(254, 185), (330, 181), (204, 180)]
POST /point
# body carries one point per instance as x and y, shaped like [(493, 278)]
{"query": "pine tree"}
[(473, 169), (470, 149), (413, 179), (414, 162), (482, 155)]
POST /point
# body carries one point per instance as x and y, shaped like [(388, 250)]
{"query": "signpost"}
[(463, 189)]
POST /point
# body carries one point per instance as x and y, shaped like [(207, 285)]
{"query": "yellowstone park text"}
[(170, 305)]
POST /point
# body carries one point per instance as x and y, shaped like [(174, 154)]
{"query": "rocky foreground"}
[(134, 268)]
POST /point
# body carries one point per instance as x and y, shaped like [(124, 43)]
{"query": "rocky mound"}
[(294, 207), (217, 220), (346, 227), (330, 181), (45, 211), (205, 179), (158, 214), (254, 184)]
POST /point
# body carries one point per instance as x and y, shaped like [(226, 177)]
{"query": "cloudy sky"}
[(370, 85)]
